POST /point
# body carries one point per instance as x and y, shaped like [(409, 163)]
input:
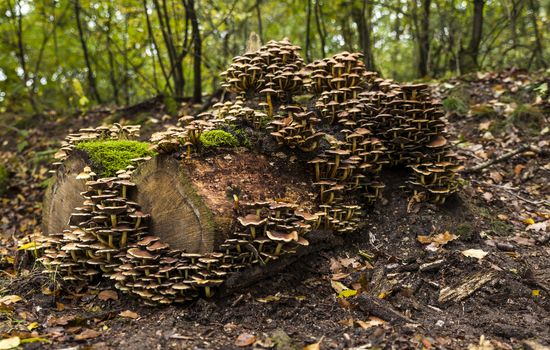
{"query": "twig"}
[(502, 158)]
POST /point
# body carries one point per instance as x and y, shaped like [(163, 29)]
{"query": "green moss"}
[(465, 231), (456, 105), (3, 178), (218, 138), (111, 156)]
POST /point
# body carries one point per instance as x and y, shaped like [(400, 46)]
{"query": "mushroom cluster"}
[(230, 112), (273, 71), (99, 230), (294, 126), (184, 137)]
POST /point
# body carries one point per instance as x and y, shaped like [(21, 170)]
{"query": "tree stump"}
[(191, 202)]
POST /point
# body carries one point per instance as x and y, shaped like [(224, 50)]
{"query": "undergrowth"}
[(218, 138)]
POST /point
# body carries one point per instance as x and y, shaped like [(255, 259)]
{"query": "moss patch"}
[(111, 156), (456, 105), (218, 138), (3, 178)]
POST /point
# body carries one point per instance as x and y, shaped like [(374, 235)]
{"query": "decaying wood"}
[(63, 195), (381, 308), (466, 287), (179, 216), (318, 241)]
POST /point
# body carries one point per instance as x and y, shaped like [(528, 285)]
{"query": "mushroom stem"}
[(113, 220), (278, 249), (207, 291), (270, 104), (253, 232), (111, 241), (123, 239), (138, 222), (123, 191), (73, 254)]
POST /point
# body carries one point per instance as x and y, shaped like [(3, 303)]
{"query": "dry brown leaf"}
[(107, 294), (496, 176), (485, 125), (129, 314), (438, 240), (87, 334), (518, 169), (339, 276), (475, 253), (10, 299), (538, 226), (372, 322), (245, 339)]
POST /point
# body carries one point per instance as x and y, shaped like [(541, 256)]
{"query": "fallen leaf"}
[(245, 339), (30, 245), (485, 125), (439, 240), (535, 292), (87, 334), (339, 276), (475, 253), (539, 226), (338, 286), (129, 314), (107, 294), (10, 299), (9, 343), (496, 177), (528, 221), (314, 346), (346, 293), (518, 169), (34, 340), (372, 322), (32, 326)]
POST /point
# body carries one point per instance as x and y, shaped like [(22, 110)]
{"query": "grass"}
[(3, 178), (218, 138), (111, 156), (455, 104)]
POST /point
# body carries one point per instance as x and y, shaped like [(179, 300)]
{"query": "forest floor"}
[(471, 274)]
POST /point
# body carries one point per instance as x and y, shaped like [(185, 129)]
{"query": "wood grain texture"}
[(63, 195), (179, 216)]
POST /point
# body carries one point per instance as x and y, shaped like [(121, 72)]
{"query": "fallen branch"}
[(381, 308), (502, 158)]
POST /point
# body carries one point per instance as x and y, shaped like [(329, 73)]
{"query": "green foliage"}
[(171, 106), (218, 138), (456, 105), (4, 177), (111, 156)]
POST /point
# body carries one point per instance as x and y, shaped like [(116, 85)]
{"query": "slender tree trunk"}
[(112, 71), (538, 51), (424, 39), (156, 48), (319, 25), (197, 48), (91, 77), (361, 16), (308, 32), (259, 17)]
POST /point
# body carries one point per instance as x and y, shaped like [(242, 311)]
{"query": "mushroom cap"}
[(251, 220), (281, 236), (140, 254), (439, 141)]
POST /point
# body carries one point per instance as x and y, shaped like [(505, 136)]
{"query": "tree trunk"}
[(191, 202), (361, 16), (318, 22), (259, 18), (469, 55), (308, 32), (197, 51), (424, 39), (538, 50), (91, 78)]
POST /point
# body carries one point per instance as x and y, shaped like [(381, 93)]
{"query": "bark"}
[(156, 47), (91, 77), (112, 70)]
